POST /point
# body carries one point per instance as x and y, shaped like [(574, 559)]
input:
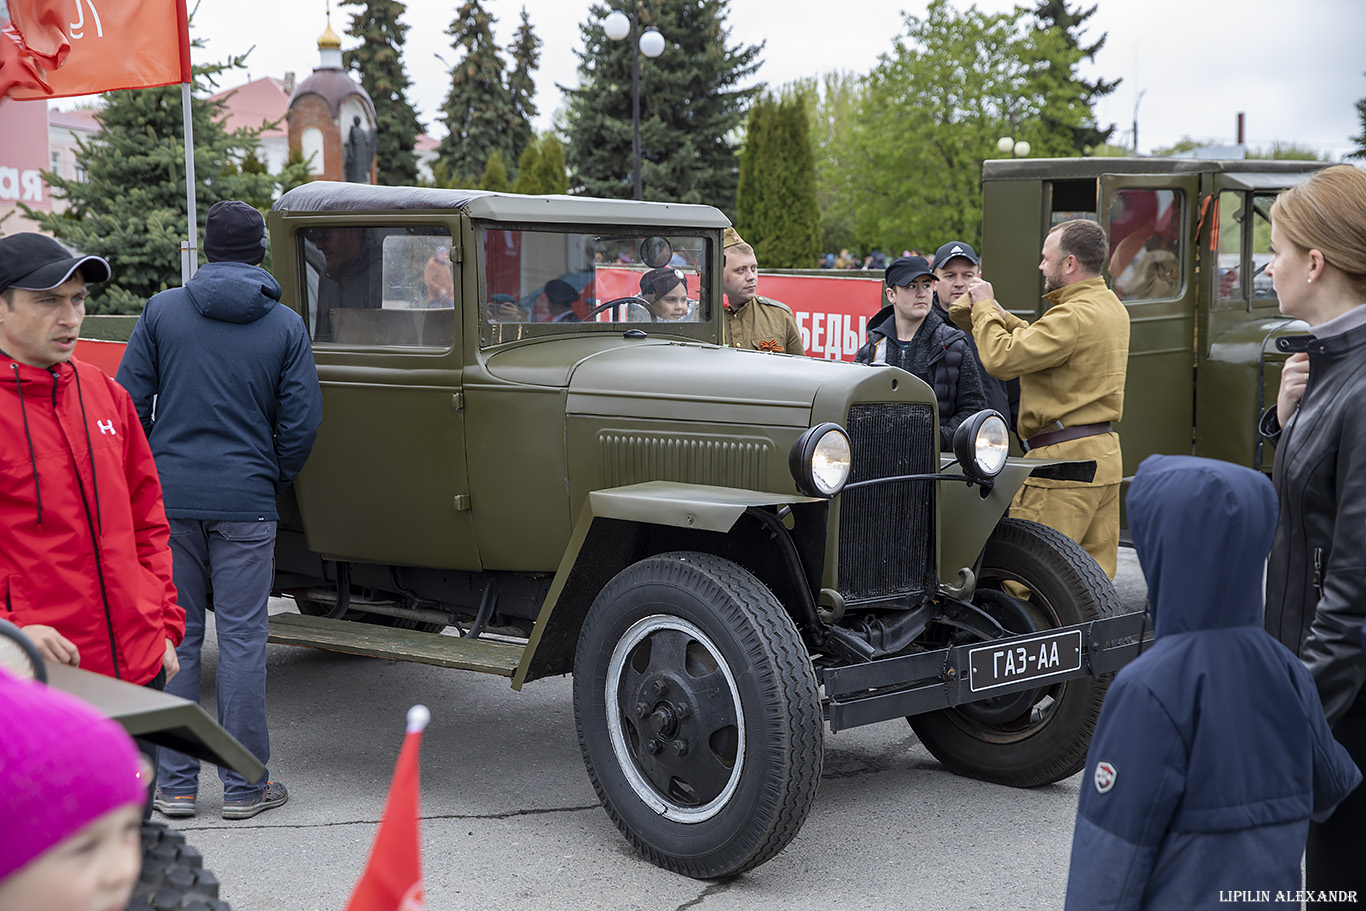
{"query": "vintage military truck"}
[(1189, 242), (728, 549)]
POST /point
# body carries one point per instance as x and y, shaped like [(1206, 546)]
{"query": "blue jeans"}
[(239, 559)]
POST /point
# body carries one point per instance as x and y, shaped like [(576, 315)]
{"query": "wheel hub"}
[(680, 734)]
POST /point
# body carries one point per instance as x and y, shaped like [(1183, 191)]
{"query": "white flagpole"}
[(189, 250)]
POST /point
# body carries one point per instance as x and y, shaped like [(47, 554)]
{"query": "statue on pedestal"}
[(359, 152)]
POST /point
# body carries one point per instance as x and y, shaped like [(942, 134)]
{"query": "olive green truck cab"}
[(1190, 240), (525, 468)]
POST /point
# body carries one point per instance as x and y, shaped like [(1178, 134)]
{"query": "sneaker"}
[(180, 805), (274, 795)]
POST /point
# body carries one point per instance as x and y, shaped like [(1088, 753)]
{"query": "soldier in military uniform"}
[(1071, 363), (753, 322)]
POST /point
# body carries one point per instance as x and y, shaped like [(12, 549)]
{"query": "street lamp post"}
[(618, 25)]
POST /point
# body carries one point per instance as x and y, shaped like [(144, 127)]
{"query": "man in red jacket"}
[(85, 559)]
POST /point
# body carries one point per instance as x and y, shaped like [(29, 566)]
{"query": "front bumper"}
[(862, 694)]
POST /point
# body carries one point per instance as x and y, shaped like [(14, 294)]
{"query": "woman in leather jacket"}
[(1316, 574)]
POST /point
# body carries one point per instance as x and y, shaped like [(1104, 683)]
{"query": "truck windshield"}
[(538, 283)]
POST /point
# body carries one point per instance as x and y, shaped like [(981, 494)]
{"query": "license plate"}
[(1035, 658)]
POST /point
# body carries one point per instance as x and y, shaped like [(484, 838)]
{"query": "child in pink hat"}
[(72, 787)]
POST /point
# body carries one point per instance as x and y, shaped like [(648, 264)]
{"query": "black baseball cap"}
[(36, 262), (906, 269), (955, 248)]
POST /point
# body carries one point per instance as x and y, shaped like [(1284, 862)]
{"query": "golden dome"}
[(329, 39)]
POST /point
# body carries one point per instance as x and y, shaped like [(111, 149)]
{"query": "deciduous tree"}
[(933, 109)]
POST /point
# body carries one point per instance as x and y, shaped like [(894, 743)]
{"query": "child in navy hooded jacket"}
[(1212, 751)]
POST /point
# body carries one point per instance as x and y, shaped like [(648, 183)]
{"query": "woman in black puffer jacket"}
[(1316, 574)]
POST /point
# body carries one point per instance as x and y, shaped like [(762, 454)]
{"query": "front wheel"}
[(698, 714), (1039, 736)]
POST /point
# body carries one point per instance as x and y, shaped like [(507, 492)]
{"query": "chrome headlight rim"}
[(982, 459), (802, 459)]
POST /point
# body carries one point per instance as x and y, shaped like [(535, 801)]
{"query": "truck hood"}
[(677, 380)]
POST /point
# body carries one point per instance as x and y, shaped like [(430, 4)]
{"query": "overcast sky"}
[(1295, 68)]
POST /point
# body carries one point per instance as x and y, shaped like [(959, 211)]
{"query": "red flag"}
[(18, 68), (392, 880), (86, 46)]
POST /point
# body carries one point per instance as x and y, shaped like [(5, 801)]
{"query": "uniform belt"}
[(1076, 432)]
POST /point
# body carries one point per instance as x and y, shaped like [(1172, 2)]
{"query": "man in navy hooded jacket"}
[(1212, 751), (237, 405)]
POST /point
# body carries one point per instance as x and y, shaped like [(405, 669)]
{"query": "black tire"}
[(685, 650), (173, 874), (1038, 737)]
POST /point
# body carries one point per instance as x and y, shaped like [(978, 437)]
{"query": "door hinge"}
[(461, 502), (454, 254), (458, 401)]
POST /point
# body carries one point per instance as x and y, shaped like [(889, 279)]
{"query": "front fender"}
[(611, 534), (975, 510)]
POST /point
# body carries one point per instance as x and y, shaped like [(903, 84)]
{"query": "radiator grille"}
[(886, 533), (633, 458)]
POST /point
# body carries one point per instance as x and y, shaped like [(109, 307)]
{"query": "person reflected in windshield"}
[(503, 308), (560, 297), (667, 291)]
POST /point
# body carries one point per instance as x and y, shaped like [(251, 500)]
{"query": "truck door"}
[(386, 481), (1151, 222)]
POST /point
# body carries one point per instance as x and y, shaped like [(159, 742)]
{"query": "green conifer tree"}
[(525, 52), (1360, 150), (131, 206), (379, 60), (495, 174), (478, 112), (551, 175), (776, 209), (540, 170), (1055, 14), (690, 106)]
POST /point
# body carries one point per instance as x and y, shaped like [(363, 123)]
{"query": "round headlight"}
[(820, 460), (982, 444)]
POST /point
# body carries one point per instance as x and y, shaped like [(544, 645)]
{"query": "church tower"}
[(332, 119)]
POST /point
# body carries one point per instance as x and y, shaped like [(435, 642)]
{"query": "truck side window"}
[(1261, 247), (1230, 256), (1146, 244), (388, 287)]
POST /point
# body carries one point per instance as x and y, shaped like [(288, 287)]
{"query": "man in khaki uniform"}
[(1071, 364), (754, 322)]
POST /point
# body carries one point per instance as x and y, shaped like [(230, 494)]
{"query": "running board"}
[(482, 655)]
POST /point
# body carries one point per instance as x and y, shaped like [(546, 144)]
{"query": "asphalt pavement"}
[(510, 819)]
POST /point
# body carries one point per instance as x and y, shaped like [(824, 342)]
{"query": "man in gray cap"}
[(237, 405), (956, 266), (84, 564)]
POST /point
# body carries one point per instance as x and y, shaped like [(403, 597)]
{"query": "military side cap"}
[(730, 237)]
